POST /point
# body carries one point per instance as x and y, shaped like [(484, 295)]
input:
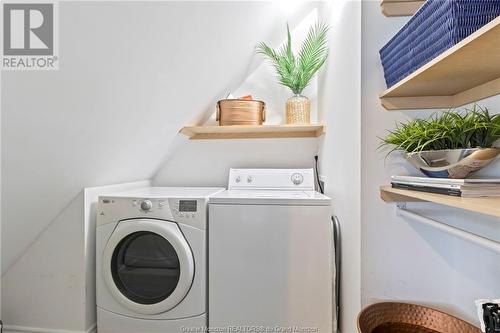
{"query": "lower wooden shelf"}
[(252, 132), (484, 205)]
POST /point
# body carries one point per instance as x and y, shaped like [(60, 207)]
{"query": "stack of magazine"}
[(455, 187)]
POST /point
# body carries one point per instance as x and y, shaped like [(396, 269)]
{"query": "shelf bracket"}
[(466, 235)]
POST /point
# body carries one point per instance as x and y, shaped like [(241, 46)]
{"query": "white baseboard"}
[(24, 329)]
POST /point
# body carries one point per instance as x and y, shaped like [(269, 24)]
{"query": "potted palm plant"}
[(295, 71), (448, 145)]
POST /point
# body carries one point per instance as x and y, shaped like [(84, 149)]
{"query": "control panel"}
[(280, 179), (190, 211), (149, 205), (180, 208)]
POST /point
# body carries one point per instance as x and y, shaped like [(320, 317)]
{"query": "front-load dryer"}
[(151, 260)]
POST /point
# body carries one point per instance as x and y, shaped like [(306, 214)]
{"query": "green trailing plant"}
[(296, 71), (471, 128)]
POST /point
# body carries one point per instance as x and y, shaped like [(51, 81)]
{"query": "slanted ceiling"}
[(131, 75)]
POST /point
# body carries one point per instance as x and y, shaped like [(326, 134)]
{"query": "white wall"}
[(402, 260), (131, 75), (46, 287), (340, 109), (207, 162)]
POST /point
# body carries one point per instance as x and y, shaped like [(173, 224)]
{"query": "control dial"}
[(297, 178), (146, 205)]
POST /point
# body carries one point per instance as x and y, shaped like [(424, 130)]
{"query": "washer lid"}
[(270, 197)]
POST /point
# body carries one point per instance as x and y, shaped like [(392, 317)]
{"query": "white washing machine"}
[(271, 254), (151, 260)]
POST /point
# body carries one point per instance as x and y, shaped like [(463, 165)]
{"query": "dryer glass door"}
[(145, 267), (148, 265)]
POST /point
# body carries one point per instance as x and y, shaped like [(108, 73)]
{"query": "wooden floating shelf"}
[(485, 205), (400, 7), (253, 132), (467, 72)]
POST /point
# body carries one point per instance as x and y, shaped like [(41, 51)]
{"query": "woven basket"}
[(394, 317), (298, 110), (437, 26)]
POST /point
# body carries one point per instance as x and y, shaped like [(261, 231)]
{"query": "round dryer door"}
[(148, 265)]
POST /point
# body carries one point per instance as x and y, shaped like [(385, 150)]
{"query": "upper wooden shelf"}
[(467, 72), (400, 7), (253, 132), (485, 205)]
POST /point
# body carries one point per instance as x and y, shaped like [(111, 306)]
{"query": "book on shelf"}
[(456, 187), (429, 180)]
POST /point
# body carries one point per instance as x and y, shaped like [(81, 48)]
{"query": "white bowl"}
[(452, 163)]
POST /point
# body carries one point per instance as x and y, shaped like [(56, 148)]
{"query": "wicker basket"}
[(240, 112), (393, 317), (437, 26)]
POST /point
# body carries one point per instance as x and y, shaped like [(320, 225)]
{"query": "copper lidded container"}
[(240, 112)]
